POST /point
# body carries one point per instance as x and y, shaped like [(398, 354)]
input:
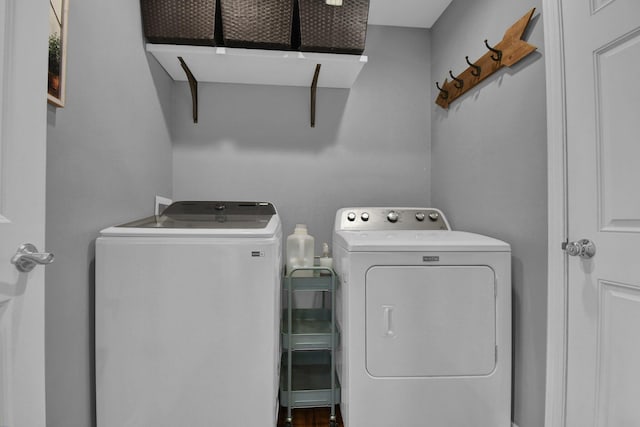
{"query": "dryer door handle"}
[(387, 321)]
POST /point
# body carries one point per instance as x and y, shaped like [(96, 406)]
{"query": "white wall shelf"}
[(255, 66)]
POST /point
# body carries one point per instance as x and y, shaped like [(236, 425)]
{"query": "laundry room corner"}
[(489, 169), (370, 145), (108, 154), (126, 134)]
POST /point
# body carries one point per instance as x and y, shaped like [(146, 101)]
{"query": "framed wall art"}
[(58, 12)]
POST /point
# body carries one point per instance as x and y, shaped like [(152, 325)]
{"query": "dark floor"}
[(312, 417)]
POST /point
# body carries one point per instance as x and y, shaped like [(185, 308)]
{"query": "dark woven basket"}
[(333, 29), (179, 21), (264, 24)]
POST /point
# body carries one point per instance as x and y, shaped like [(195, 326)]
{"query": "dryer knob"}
[(393, 216), (351, 216), (433, 216), (364, 216), (420, 216)]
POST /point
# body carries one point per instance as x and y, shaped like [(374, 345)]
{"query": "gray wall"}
[(109, 153), (370, 145), (382, 143), (489, 170)]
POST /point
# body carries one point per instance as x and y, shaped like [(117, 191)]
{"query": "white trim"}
[(6, 26), (555, 405), (6, 374), (3, 51)]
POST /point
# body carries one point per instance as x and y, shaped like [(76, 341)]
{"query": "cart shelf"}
[(315, 283), (311, 381), (311, 329)]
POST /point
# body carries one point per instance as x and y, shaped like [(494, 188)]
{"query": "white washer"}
[(425, 318), (187, 317)]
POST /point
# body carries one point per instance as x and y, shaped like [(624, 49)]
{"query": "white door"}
[(602, 60), (23, 72)]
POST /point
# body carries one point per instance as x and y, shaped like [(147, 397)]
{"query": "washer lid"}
[(416, 240), (208, 218)]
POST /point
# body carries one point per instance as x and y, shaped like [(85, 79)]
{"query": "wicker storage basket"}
[(264, 24), (333, 29), (179, 21)]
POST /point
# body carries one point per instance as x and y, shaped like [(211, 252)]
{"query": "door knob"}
[(583, 248), (27, 257)]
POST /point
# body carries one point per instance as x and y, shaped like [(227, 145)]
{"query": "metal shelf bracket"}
[(314, 87), (193, 84)]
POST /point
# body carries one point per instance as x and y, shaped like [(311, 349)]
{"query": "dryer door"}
[(430, 321)]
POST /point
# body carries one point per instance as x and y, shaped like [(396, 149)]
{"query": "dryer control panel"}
[(380, 218)]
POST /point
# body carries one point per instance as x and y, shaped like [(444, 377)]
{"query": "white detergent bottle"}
[(325, 259), (300, 248)]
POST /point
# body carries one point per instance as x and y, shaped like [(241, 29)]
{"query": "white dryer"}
[(425, 320), (187, 317)]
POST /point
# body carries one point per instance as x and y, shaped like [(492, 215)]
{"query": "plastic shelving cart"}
[(309, 337)]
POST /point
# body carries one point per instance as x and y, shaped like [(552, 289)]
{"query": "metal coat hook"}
[(496, 51), (459, 83), (476, 68), (444, 94)]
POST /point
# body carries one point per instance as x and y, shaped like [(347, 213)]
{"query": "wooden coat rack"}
[(506, 53)]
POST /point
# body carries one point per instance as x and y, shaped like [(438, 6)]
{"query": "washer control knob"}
[(420, 216), (393, 216), (433, 216), (351, 216), (364, 216)]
